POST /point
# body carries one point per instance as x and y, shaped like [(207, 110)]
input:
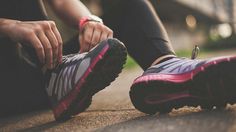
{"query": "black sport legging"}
[(136, 24), (133, 21)]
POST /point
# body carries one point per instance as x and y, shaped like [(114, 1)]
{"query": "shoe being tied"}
[(180, 82), (73, 83)]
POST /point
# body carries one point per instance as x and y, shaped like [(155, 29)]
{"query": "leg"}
[(136, 24)]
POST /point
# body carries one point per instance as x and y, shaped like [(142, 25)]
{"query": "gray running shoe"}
[(73, 83)]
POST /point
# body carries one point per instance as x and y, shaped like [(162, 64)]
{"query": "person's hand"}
[(93, 33), (43, 36)]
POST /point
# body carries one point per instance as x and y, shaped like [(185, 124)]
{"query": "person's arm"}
[(72, 11)]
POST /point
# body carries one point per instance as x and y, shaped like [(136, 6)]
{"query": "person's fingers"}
[(106, 32), (88, 32), (59, 40), (86, 38), (84, 46), (110, 33), (38, 48), (95, 37), (80, 42), (54, 44), (104, 36), (94, 33), (98, 30), (47, 50)]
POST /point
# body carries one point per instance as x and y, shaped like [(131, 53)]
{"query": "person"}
[(70, 80), (168, 81)]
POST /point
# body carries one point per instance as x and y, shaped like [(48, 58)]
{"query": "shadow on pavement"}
[(42, 127), (35, 119), (86, 121), (203, 121)]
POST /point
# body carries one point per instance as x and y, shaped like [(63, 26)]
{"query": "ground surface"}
[(112, 110)]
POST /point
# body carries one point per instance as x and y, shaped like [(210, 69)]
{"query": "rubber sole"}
[(214, 85), (104, 71)]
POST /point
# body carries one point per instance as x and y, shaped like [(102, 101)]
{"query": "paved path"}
[(110, 106), (112, 110)]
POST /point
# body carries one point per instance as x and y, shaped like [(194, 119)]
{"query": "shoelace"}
[(70, 58), (195, 52), (73, 57)]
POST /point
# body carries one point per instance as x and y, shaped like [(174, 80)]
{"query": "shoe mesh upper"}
[(175, 66)]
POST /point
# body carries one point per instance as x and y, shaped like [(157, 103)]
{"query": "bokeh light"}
[(191, 21)]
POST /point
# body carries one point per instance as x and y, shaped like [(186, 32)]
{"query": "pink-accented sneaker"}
[(72, 84), (180, 82)]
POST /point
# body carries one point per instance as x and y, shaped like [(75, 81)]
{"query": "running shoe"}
[(73, 83), (180, 82)]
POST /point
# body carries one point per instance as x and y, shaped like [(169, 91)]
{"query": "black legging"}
[(136, 24), (133, 21)]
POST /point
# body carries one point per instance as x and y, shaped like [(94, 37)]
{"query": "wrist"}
[(87, 19), (6, 26)]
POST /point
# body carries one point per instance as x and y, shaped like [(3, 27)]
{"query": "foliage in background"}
[(130, 63), (221, 43)]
